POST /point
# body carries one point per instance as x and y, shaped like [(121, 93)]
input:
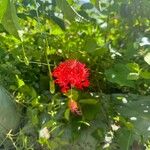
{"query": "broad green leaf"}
[(137, 110), (67, 10), (3, 7), (88, 101), (118, 74), (145, 74), (10, 20), (94, 46), (9, 118), (124, 138), (84, 141), (147, 58), (89, 110)]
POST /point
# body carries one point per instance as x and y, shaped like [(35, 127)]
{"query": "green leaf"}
[(52, 86), (96, 3), (35, 102), (88, 101), (133, 76), (10, 20), (28, 91), (137, 110), (84, 139), (59, 22), (90, 45), (147, 58), (72, 94), (124, 138), (118, 74), (26, 60), (55, 27), (20, 82), (133, 67), (67, 10), (67, 114), (33, 115), (3, 7), (87, 6), (145, 74), (9, 118), (90, 111), (85, 123)]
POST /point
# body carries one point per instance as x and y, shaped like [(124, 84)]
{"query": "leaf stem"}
[(46, 56)]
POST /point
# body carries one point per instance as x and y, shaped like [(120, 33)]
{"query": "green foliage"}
[(9, 18), (119, 74), (137, 111), (3, 7), (111, 38), (9, 114), (65, 7), (147, 58)]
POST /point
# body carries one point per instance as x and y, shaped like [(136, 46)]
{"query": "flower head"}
[(71, 73)]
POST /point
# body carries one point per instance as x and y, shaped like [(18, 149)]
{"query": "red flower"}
[(74, 108), (71, 73)]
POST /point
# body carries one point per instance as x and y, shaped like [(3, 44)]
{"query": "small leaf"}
[(133, 67), (147, 58), (35, 102), (84, 122), (26, 60), (67, 114), (33, 92), (133, 76), (88, 101), (20, 82)]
